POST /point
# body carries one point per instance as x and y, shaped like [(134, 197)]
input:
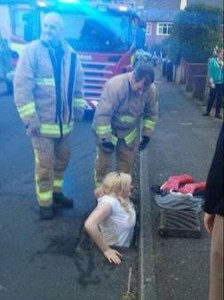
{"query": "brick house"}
[(159, 16)]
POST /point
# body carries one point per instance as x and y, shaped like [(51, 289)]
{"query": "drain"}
[(180, 223)]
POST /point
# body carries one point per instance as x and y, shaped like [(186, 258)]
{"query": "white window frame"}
[(164, 28), (148, 28)]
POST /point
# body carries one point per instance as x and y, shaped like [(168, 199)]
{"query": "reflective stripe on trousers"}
[(51, 159)]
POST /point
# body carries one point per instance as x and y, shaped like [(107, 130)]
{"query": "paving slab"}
[(174, 268)]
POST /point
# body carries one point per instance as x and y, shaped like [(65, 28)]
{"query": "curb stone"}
[(147, 279)]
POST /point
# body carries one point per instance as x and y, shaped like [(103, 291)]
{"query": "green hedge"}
[(196, 32)]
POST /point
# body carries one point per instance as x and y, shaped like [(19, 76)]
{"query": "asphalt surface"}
[(55, 260), (183, 143), (52, 260)]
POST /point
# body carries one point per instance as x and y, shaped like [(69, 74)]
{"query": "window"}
[(22, 20), (86, 32), (148, 28), (164, 28)]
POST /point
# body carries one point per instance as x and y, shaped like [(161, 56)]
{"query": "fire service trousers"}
[(215, 94), (51, 159), (124, 159)]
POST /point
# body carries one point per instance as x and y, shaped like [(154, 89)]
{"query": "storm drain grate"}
[(181, 223)]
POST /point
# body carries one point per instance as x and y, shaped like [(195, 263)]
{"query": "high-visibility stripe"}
[(58, 183), (101, 130), (54, 129), (127, 119), (17, 47), (27, 110), (132, 60), (131, 136), (79, 102), (97, 152), (149, 124), (114, 140), (96, 182), (37, 161), (43, 196), (45, 81)]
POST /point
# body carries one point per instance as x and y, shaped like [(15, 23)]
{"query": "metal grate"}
[(180, 223)]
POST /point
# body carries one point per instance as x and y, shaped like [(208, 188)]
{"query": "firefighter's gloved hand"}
[(144, 142), (108, 146)]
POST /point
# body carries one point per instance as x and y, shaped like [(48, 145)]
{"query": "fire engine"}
[(101, 32)]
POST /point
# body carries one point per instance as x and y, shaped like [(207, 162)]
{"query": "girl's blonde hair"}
[(116, 184)]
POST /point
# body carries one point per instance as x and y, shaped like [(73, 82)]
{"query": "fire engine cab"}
[(101, 32)]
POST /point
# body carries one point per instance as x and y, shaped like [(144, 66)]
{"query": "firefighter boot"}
[(46, 212), (60, 201)]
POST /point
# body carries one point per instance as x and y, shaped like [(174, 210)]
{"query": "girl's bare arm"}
[(99, 214)]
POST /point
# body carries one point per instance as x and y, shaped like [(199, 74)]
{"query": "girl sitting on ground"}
[(112, 222)]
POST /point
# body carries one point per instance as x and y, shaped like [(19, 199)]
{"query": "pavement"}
[(183, 142)]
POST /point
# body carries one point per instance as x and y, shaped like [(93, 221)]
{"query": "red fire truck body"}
[(100, 32)]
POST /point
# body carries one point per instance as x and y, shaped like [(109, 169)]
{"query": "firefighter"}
[(48, 92), (125, 99)]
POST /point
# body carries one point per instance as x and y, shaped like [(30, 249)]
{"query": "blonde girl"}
[(112, 222)]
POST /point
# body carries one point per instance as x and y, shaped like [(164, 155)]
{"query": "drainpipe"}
[(183, 4)]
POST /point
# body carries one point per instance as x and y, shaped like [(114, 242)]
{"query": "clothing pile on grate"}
[(180, 192)]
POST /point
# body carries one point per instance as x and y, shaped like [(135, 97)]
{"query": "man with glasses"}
[(126, 99)]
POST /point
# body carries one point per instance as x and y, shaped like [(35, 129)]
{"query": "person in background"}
[(48, 92), (126, 99), (5, 61), (112, 221), (216, 81), (140, 36), (214, 219)]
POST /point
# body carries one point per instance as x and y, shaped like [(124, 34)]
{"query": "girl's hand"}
[(209, 222), (113, 256)]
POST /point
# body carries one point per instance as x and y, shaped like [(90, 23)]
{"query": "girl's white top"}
[(118, 228)]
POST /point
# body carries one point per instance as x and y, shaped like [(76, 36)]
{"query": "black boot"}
[(46, 212), (60, 201)]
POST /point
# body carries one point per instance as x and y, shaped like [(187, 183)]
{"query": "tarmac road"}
[(55, 261), (52, 260)]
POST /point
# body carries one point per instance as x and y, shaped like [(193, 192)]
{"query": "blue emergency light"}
[(41, 3), (46, 3), (123, 8), (69, 1)]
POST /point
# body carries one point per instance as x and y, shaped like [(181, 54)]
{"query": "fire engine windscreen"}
[(99, 33)]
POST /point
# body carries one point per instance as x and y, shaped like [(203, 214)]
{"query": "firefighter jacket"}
[(119, 110), (48, 90)]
